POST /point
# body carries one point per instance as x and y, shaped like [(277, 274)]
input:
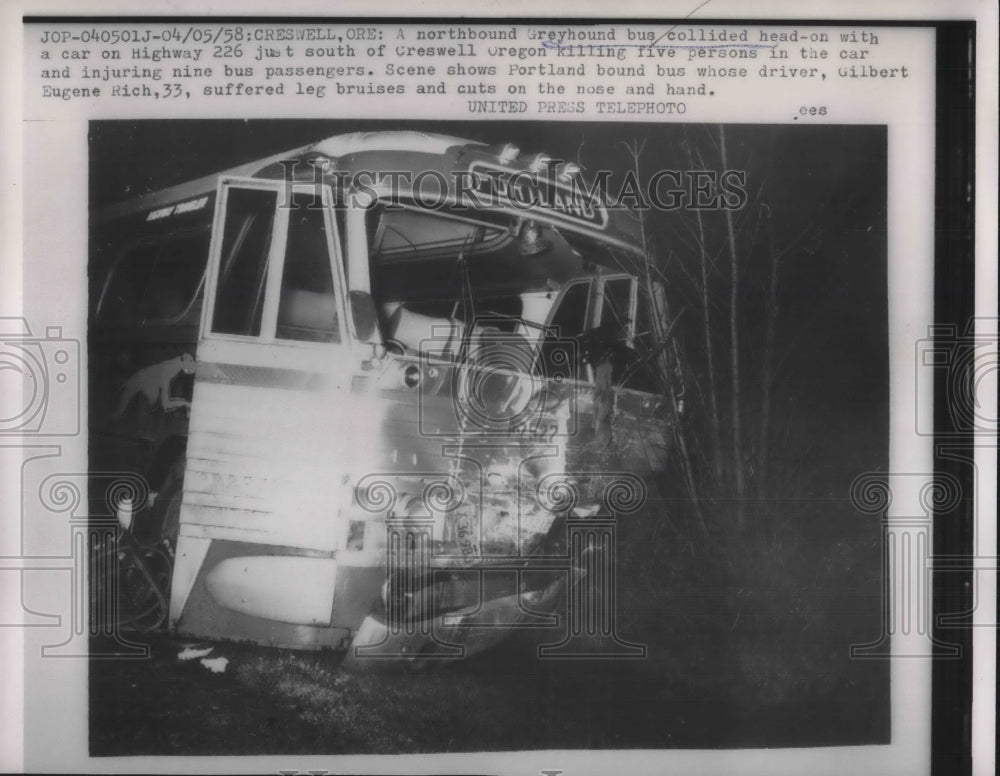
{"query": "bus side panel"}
[(146, 288)]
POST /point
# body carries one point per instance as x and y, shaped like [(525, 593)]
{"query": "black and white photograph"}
[(513, 390), (479, 438)]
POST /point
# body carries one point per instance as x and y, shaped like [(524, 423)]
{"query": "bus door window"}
[(308, 307), (246, 245)]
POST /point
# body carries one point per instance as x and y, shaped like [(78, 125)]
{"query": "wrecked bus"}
[(366, 405)]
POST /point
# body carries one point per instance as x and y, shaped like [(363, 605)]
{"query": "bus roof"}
[(338, 145), (419, 150)]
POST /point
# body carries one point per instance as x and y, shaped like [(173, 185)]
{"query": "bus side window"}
[(643, 378), (308, 306), (120, 303), (568, 322), (156, 280), (617, 308), (246, 243), (619, 338), (175, 277)]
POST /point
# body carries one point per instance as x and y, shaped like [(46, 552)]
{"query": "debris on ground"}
[(189, 653), (216, 665)]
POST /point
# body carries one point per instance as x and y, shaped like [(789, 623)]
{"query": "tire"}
[(164, 520), (144, 588), (146, 572)]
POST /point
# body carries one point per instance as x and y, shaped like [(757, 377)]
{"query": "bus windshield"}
[(446, 270)]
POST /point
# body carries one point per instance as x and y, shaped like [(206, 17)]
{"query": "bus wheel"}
[(165, 520), (144, 587), (146, 573)]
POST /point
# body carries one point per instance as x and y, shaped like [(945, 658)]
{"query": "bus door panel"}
[(270, 424)]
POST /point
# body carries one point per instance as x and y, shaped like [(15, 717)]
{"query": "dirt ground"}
[(726, 666), (280, 702)]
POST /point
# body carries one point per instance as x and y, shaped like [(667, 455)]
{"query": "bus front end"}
[(428, 370)]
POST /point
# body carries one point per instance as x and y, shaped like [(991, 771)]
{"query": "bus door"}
[(273, 436)]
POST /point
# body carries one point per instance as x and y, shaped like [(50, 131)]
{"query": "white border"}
[(825, 760)]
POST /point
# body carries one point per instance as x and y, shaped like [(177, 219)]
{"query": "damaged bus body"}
[(366, 416)]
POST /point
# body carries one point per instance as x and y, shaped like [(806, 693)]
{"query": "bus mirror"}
[(363, 312)]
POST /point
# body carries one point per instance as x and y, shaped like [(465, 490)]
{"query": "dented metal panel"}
[(438, 392)]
